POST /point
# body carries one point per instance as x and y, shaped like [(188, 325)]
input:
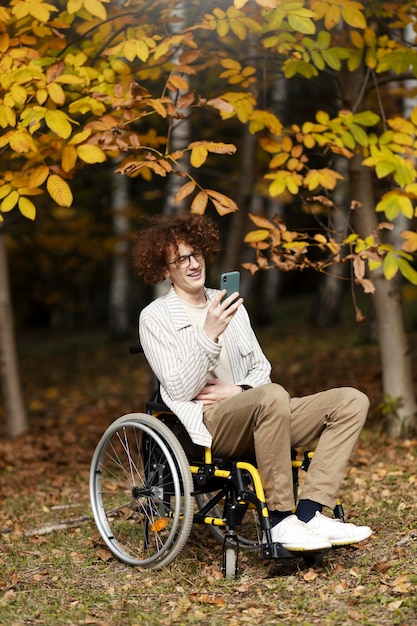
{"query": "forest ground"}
[(54, 568)]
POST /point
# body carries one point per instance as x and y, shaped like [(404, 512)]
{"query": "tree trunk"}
[(394, 350), (119, 284), (16, 420), (399, 397)]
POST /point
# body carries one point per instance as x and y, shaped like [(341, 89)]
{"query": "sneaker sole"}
[(349, 542), (291, 548)]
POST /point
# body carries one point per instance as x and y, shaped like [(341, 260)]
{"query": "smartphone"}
[(231, 282)]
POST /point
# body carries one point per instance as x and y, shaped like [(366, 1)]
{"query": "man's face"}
[(188, 275)]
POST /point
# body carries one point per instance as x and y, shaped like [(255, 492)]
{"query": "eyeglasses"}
[(184, 261)]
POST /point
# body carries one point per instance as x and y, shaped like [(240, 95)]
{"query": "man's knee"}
[(357, 402), (275, 399)]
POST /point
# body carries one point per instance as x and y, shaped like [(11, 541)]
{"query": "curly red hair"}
[(159, 233)]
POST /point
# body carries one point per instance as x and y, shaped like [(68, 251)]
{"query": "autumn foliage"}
[(85, 81)]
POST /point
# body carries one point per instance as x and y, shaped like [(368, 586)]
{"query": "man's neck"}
[(196, 298)]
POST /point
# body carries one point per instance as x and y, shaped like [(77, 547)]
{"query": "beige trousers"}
[(264, 423)]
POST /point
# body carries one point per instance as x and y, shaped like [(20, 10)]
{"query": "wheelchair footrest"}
[(277, 551)]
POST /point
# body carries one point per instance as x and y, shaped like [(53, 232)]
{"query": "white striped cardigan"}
[(181, 355)]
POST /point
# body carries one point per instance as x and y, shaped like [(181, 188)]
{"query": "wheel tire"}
[(230, 562), (140, 491)]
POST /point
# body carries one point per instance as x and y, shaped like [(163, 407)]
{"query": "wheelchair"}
[(149, 483)]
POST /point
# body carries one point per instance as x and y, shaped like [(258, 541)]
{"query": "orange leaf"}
[(159, 525), (199, 203), (185, 191)]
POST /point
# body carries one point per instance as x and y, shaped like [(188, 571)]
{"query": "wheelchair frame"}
[(149, 483)]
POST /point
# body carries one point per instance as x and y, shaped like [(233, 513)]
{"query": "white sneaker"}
[(294, 535), (337, 532)]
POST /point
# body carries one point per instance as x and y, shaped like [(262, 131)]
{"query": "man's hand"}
[(220, 313), (215, 390)]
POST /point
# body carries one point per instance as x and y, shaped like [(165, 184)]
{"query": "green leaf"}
[(384, 168), (324, 39), (295, 66), (394, 203), (301, 24), (331, 59), (407, 271), (359, 134), (366, 118)]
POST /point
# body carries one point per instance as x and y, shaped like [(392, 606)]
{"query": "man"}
[(214, 376)]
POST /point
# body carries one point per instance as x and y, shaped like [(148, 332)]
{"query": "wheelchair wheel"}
[(140, 491), (249, 533)]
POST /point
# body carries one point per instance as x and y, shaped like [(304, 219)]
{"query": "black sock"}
[(277, 516), (307, 509)]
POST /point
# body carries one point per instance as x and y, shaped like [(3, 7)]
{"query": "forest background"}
[(293, 125), (329, 188)]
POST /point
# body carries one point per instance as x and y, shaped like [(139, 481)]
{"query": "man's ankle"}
[(307, 509), (277, 516)]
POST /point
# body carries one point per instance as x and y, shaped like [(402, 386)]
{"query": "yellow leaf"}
[(256, 235), (79, 137), (7, 116), (198, 156), (74, 5), (21, 141), (142, 51), (38, 176), (129, 50), (353, 17), (96, 8), (58, 122), (4, 41), (41, 96), (19, 94), (9, 202), (177, 82), (27, 208), (390, 266), (56, 93), (69, 158), (158, 106), (199, 203), (4, 190), (41, 11), (91, 154), (59, 190), (231, 64)]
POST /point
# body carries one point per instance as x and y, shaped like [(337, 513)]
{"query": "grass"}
[(76, 385)]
